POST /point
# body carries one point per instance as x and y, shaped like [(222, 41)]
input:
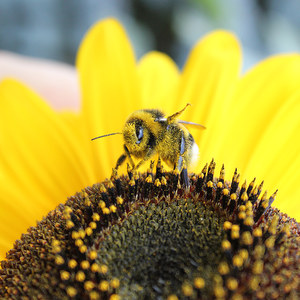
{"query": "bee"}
[(148, 132)]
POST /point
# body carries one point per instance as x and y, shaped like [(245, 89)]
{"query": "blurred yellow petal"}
[(277, 151), (41, 161), (15, 215), (207, 81), (75, 124), (109, 84), (259, 96), (159, 77)]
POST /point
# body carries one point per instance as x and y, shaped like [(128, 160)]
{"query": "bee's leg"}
[(120, 161), (159, 168), (129, 157), (145, 158), (122, 158), (181, 163), (184, 177), (181, 167)]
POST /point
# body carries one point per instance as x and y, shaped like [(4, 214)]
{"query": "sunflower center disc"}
[(160, 246)]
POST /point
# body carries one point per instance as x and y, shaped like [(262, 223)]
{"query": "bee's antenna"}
[(101, 136)]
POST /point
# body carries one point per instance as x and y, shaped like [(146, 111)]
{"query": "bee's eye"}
[(139, 131)]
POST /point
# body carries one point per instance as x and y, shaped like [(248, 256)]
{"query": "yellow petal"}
[(258, 99), (75, 123), (276, 156), (41, 163), (259, 96), (207, 82), (159, 77), (109, 83)]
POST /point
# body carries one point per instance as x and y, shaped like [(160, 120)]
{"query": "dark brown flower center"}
[(148, 236), (161, 245)]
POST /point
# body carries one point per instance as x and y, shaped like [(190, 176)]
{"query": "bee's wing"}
[(182, 122), (160, 119), (191, 123)]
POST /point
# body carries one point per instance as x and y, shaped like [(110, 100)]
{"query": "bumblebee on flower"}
[(140, 211)]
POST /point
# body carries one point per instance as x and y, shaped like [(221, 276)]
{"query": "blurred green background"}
[(53, 29)]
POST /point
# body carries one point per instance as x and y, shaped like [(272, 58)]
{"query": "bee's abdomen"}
[(193, 152)]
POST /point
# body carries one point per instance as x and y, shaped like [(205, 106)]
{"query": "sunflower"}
[(253, 124)]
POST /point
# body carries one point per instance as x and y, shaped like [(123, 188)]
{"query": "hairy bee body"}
[(178, 147), (147, 132)]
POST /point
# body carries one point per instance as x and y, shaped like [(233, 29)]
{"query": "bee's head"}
[(136, 136)]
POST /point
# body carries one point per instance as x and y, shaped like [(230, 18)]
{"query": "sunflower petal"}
[(38, 157), (159, 77), (110, 91), (207, 82), (279, 164), (259, 96)]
